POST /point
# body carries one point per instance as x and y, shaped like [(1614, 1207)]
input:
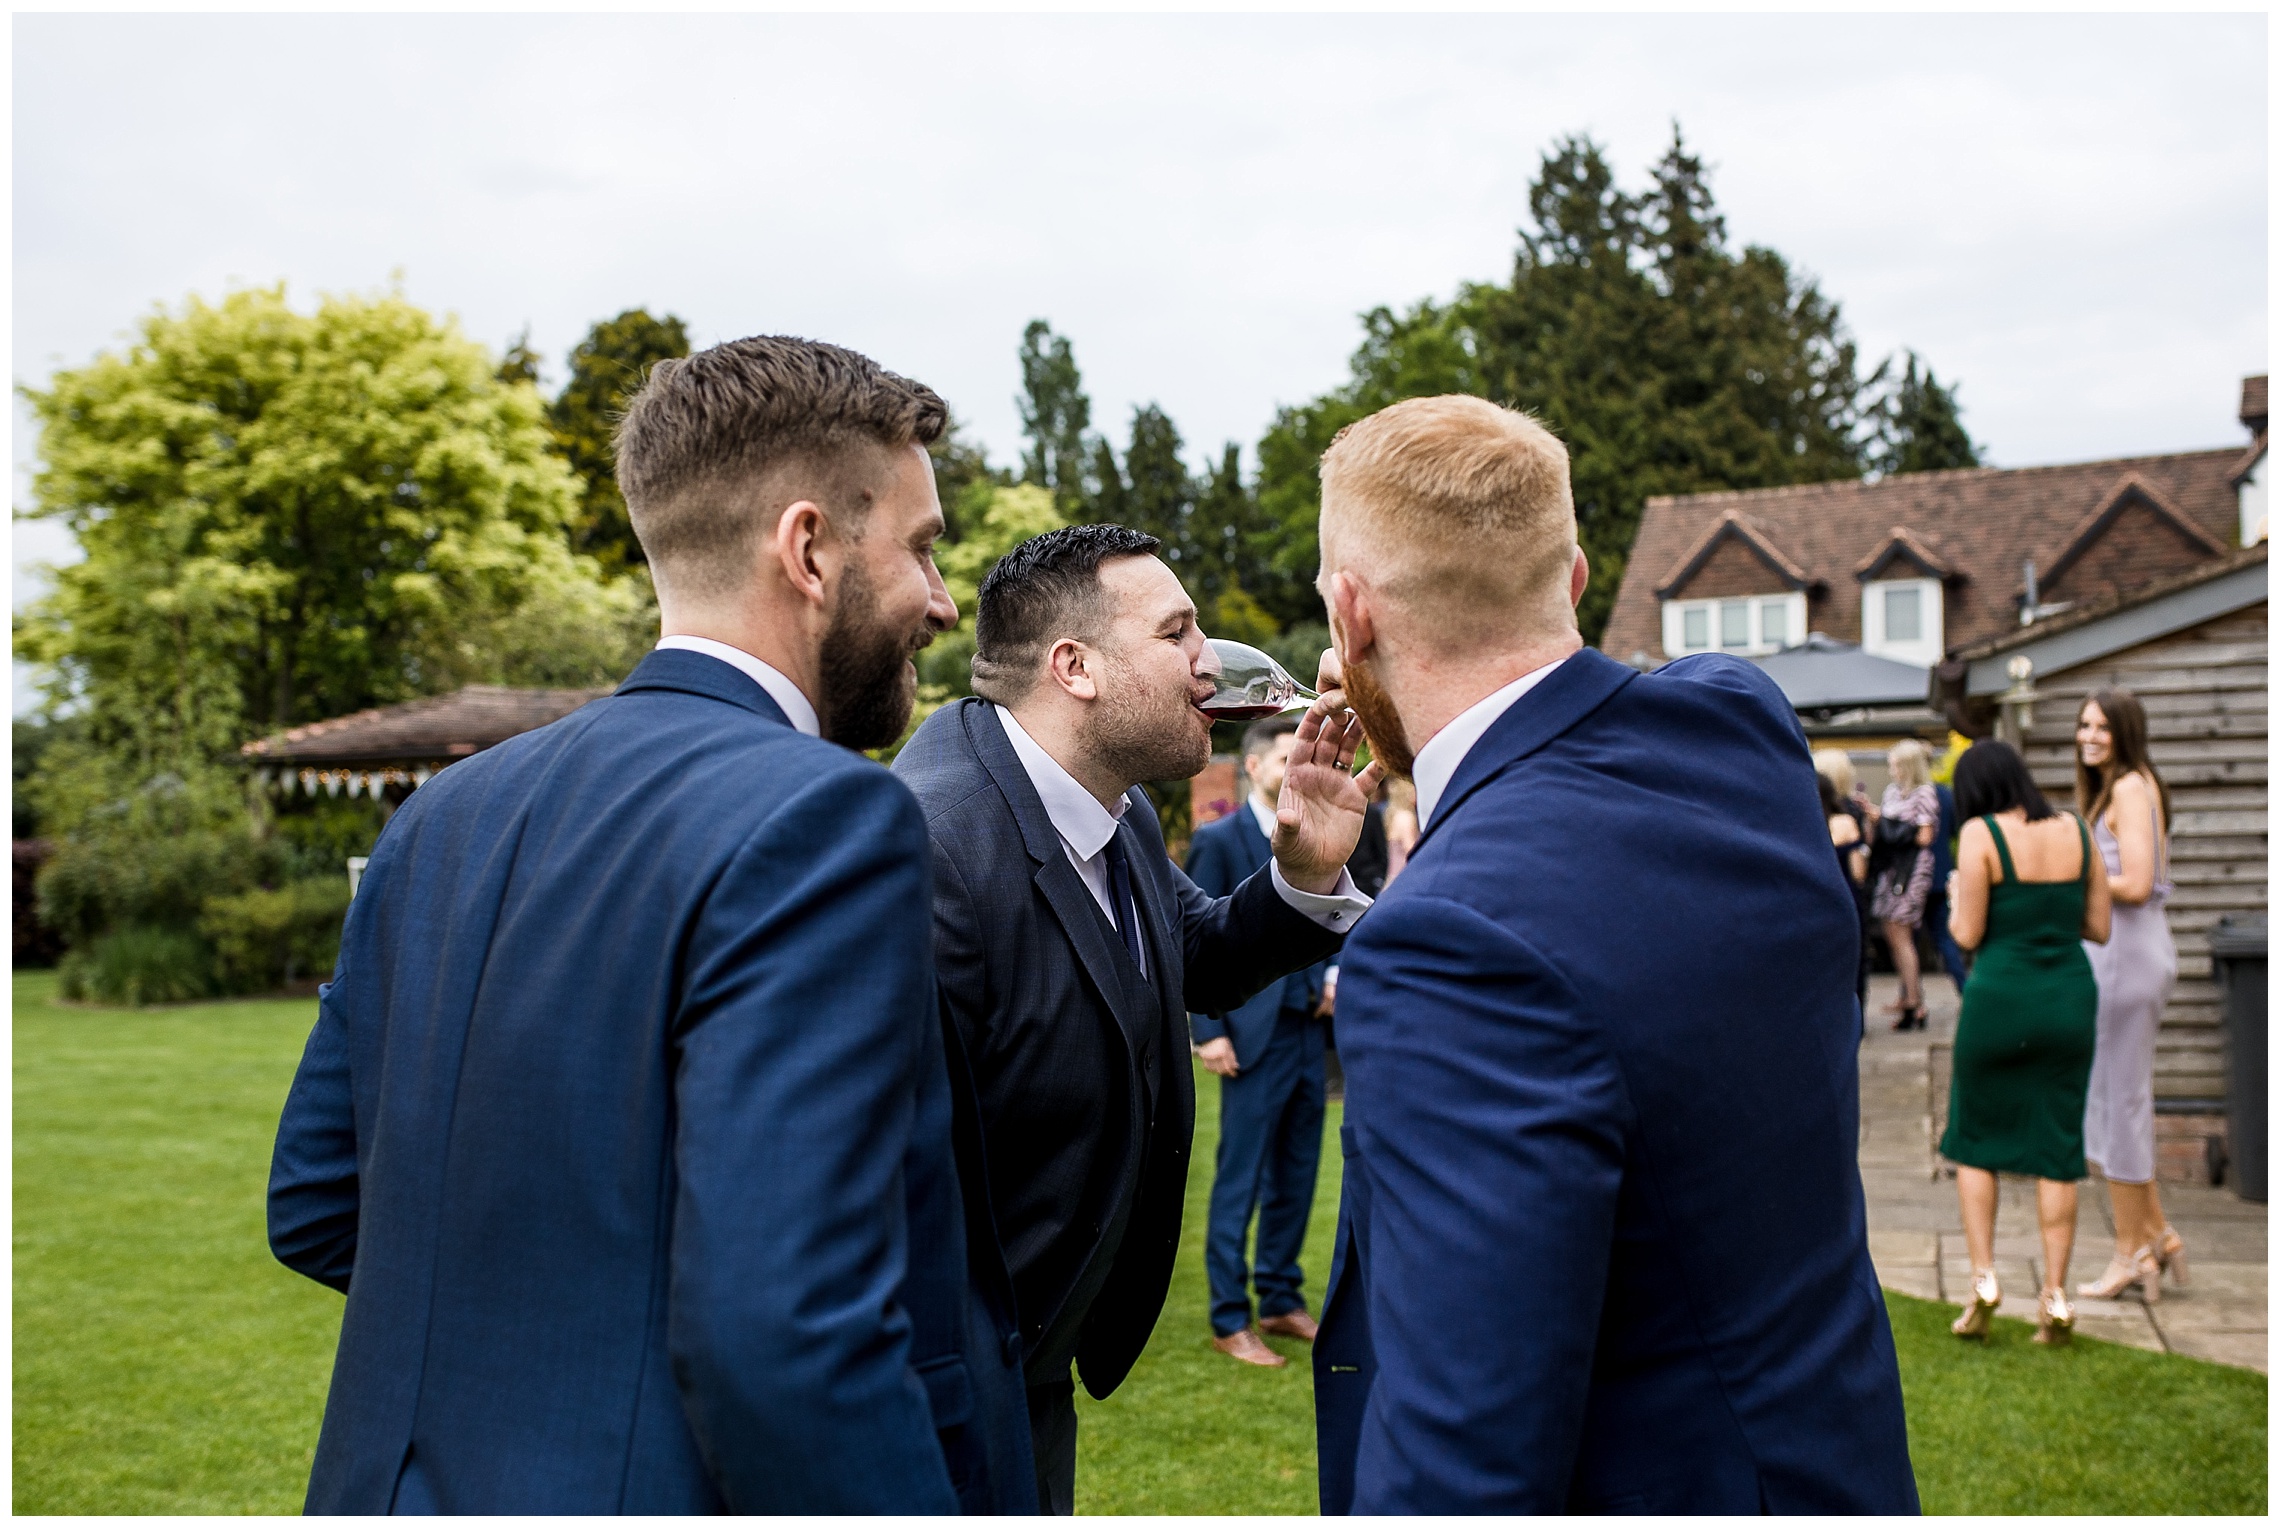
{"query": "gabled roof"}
[(2111, 625), (2130, 490), (1903, 542), (2253, 411), (2249, 459), (1733, 525), (435, 730), (1983, 522)]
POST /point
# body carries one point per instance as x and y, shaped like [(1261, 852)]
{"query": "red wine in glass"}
[(1248, 685)]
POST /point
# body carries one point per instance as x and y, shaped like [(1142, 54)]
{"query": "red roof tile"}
[(1981, 522)]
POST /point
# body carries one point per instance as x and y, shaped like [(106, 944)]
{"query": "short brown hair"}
[(701, 435), (1260, 736), (1457, 509)]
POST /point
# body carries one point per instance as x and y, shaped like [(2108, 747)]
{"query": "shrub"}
[(139, 965), (264, 939)]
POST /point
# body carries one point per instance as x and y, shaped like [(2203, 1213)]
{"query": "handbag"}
[(1893, 843)]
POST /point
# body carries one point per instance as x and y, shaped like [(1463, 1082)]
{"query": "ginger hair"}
[(1457, 511)]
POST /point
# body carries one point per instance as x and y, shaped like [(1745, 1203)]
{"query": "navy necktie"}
[(1121, 898)]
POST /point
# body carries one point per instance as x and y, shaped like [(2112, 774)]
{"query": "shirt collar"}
[(797, 708), (1437, 762), (1083, 823), (1261, 814)]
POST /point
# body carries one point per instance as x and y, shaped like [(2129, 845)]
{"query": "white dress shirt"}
[(1085, 827), (1436, 763), (797, 708)]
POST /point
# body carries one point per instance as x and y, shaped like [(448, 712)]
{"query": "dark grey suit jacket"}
[(1086, 1094)]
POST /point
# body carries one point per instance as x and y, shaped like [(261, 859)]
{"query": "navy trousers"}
[(1270, 1144)]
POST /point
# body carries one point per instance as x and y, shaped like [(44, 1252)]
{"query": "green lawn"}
[(164, 1364)]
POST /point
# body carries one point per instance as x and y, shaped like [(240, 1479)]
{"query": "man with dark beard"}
[(1070, 950), (627, 1125)]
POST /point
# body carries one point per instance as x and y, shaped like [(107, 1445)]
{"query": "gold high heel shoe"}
[(1979, 1310), (2169, 1252), (2140, 1269), (2054, 1319)]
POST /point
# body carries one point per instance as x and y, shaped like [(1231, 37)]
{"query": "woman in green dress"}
[(2026, 892)]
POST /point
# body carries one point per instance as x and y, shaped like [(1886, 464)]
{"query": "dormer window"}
[(1733, 592), (1902, 619), (1758, 624)]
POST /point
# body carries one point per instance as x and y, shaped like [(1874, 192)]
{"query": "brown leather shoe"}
[(1295, 1323), (1246, 1348)]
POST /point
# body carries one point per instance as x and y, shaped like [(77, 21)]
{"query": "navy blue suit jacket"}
[(627, 1129), (1222, 856), (1603, 1242)]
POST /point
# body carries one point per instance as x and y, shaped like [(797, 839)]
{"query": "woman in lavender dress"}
[(2120, 793), (1911, 813)]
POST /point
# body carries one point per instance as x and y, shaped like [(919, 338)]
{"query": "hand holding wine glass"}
[(1324, 801), (1318, 817)]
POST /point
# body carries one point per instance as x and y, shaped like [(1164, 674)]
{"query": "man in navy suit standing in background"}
[(626, 1125), (1268, 1057), (1602, 1246)]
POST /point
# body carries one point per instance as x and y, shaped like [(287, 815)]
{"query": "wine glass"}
[(1247, 684)]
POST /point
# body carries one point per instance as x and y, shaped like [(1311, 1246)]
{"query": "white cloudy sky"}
[(2067, 214)]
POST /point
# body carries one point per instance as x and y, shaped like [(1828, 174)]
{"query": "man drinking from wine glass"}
[(1069, 949)]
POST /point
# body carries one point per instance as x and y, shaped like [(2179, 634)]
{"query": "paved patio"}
[(1915, 1232)]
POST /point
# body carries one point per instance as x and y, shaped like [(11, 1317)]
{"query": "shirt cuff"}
[(1335, 912)]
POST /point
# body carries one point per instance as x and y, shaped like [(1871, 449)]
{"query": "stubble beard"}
[(1381, 723), (868, 685), (1139, 737)]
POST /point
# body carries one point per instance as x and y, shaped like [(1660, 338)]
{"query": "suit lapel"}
[(1057, 879), (1582, 685)]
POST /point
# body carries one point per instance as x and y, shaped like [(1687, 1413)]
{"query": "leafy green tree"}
[(1108, 498), (607, 367), (1056, 417), (289, 516), (999, 518), (1919, 426), (1159, 494), (520, 363), (1665, 358), (962, 479), (1429, 350)]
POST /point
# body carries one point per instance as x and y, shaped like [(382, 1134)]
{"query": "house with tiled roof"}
[(1910, 567), (1994, 600)]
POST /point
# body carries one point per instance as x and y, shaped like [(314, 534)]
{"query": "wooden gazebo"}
[(389, 751)]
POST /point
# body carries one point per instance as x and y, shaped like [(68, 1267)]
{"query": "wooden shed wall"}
[(2204, 691)]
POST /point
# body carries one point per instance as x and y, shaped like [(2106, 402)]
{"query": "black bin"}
[(2237, 948)]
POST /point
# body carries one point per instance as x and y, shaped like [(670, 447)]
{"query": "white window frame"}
[(1930, 643), (1792, 606), (2253, 527)]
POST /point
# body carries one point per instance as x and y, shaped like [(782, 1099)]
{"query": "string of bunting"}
[(357, 782)]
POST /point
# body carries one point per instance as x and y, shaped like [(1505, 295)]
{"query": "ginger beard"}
[(1381, 723), (868, 684)]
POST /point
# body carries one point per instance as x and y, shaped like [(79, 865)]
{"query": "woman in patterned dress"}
[(1898, 901)]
